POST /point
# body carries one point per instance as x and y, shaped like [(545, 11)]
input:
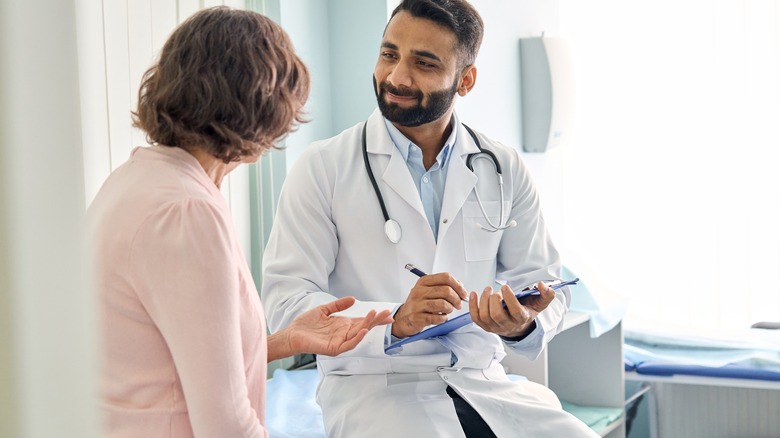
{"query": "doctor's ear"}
[(467, 80)]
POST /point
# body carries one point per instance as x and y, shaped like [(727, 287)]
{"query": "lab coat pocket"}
[(479, 241)]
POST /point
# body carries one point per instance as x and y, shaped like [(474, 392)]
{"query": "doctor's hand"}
[(317, 331), (516, 320), (429, 302)]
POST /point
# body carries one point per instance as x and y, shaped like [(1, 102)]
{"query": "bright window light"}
[(673, 175)]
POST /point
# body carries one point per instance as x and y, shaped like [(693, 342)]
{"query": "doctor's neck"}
[(429, 137)]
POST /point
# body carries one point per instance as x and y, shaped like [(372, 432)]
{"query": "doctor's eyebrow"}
[(420, 53)]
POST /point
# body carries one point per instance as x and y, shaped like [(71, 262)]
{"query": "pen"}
[(410, 267)]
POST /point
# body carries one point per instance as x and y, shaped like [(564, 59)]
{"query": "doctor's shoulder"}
[(338, 147), (327, 157)]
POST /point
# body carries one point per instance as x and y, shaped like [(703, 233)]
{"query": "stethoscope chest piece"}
[(393, 231)]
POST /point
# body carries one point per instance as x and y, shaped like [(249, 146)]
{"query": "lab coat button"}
[(445, 221), (444, 377)]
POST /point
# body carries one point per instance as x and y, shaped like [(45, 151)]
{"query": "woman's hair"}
[(457, 15), (227, 81)]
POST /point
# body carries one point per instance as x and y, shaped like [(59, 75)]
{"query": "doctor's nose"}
[(399, 76)]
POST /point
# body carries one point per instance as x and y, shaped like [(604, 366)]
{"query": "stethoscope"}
[(393, 228)]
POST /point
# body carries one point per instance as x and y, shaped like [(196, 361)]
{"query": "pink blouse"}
[(183, 333)]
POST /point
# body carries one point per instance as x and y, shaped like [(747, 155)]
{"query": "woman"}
[(185, 348)]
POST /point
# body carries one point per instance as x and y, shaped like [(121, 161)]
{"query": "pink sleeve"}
[(186, 275)]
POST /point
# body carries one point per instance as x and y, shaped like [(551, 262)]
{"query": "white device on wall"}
[(547, 93)]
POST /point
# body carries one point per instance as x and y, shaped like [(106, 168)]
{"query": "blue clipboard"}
[(465, 319)]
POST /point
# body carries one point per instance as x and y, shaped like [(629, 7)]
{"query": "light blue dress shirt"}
[(430, 183)]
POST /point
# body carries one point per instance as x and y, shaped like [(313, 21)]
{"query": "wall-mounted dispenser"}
[(547, 93)]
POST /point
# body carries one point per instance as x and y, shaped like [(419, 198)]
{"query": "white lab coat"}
[(328, 241)]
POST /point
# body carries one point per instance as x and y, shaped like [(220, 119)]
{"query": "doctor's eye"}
[(387, 55)]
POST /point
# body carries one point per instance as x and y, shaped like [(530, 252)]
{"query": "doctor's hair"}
[(457, 15), (227, 81)]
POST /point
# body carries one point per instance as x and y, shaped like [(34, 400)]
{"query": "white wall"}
[(47, 316), (494, 104)]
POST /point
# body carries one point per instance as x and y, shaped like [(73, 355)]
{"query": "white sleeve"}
[(527, 254), (296, 267), (302, 250)]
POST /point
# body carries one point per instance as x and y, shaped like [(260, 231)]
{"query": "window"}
[(673, 175)]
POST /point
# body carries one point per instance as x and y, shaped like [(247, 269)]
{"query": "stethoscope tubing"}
[(492, 228), (371, 176), (393, 228)]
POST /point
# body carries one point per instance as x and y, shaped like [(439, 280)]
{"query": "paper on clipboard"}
[(465, 319)]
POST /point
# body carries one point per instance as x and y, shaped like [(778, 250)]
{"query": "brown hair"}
[(227, 81)]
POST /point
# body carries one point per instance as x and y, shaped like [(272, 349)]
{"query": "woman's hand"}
[(317, 331)]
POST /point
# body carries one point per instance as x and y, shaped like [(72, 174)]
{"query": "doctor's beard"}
[(438, 104)]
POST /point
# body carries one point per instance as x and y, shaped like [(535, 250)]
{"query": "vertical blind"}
[(672, 177)]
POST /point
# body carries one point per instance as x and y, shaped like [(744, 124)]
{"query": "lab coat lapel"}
[(395, 173), (397, 177), (460, 180)]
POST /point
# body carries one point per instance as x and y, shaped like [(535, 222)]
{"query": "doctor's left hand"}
[(318, 331), (516, 320)]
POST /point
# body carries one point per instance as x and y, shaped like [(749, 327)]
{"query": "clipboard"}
[(465, 319)]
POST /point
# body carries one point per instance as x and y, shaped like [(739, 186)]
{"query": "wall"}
[(494, 104), (47, 317), (309, 32), (339, 42)]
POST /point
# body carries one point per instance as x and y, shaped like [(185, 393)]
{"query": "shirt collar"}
[(403, 144)]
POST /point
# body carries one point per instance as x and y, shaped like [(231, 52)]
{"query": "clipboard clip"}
[(554, 284)]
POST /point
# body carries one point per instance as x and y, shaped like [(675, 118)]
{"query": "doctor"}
[(397, 189)]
